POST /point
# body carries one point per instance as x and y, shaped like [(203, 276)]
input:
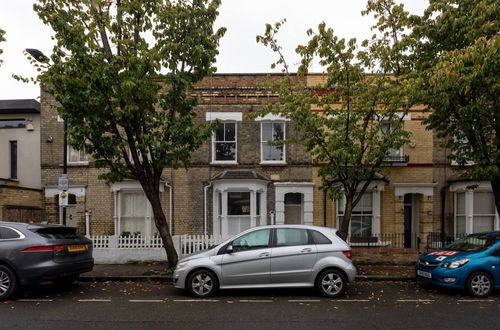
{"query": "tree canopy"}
[(458, 68), (120, 73), (351, 121)]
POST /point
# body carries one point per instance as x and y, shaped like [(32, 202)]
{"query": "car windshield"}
[(475, 242)]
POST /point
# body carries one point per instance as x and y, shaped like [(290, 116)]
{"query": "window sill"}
[(75, 164), (224, 162), (273, 163)]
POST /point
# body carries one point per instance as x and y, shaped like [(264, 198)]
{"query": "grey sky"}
[(239, 52)]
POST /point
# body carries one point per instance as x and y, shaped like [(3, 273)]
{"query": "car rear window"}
[(319, 238), (56, 232), (7, 233)]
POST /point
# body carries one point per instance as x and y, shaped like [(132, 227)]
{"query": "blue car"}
[(471, 263)]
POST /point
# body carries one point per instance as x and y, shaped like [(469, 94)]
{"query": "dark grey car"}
[(32, 253)]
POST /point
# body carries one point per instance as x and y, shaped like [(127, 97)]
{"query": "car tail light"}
[(46, 248), (348, 254)]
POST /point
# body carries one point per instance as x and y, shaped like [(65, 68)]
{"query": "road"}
[(143, 305)]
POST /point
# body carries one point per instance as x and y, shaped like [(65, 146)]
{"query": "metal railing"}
[(393, 240)]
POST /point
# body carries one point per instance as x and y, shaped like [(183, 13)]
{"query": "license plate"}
[(77, 248), (424, 274)]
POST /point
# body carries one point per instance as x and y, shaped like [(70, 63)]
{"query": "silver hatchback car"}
[(271, 257)]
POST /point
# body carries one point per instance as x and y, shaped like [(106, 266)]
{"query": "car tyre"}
[(202, 283), (8, 283), (66, 281), (480, 284), (331, 283)]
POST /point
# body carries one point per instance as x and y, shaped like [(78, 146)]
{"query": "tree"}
[(2, 33), (458, 67), (361, 117), (121, 72)]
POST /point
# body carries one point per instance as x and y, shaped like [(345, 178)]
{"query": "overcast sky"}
[(244, 19)]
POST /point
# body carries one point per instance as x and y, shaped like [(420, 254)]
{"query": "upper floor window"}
[(12, 123), (271, 148), (77, 156), (13, 159), (394, 154), (224, 143)]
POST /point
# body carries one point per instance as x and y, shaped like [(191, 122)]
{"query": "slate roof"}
[(19, 106), (239, 175)]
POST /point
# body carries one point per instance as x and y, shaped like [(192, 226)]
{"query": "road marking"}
[(415, 300), (351, 300), (255, 301), (195, 300), (35, 300), (302, 301), (475, 300), (146, 300), (94, 300)]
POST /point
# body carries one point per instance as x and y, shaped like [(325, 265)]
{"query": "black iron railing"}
[(397, 159), (394, 240)]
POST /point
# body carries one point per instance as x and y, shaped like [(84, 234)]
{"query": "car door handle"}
[(307, 250), (264, 254)]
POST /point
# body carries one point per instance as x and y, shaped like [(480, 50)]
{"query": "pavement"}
[(159, 271)]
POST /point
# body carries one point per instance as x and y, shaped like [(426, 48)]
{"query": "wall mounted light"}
[(412, 144)]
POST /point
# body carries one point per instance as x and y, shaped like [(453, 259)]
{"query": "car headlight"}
[(455, 263)]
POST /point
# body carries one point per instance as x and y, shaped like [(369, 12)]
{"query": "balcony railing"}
[(397, 159)]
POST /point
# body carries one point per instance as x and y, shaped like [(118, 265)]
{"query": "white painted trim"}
[(426, 189), (304, 188), (272, 117), (234, 116), (131, 185), (483, 186)]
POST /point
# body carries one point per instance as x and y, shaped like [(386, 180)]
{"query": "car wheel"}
[(202, 283), (331, 283), (480, 284), (66, 281), (8, 283)]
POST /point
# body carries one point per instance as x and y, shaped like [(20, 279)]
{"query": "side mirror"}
[(229, 249)]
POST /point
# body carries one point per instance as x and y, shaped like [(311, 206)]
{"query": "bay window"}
[(475, 212)]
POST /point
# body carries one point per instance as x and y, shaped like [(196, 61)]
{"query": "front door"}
[(293, 256), (408, 212), (250, 261), (293, 209)]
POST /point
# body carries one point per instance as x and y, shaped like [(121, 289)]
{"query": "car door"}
[(495, 264), (293, 256), (249, 263)]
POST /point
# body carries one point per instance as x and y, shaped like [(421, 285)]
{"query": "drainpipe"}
[(169, 207), (87, 222), (205, 190), (324, 208)]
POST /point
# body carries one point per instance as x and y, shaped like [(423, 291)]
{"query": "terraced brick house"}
[(20, 175)]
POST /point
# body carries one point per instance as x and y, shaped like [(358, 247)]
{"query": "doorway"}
[(293, 208), (411, 220)]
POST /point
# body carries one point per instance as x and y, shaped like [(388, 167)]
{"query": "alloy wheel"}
[(202, 284), (332, 284), (4, 283), (480, 285)]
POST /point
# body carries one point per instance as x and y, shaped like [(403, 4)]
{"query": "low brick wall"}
[(384, 255)]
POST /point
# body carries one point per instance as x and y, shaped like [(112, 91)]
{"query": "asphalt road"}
[(142, 305)]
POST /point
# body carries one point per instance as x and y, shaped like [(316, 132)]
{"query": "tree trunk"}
[(495, 186), (344, 229), (162, 226)]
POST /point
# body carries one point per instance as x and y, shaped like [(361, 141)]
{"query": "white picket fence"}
[(184, 244)]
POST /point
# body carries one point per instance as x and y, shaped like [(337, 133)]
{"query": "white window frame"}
[(148, 213), (262, 160), (401, 149), (469, 210), (79, 162), (342, 201), (235, 161)]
